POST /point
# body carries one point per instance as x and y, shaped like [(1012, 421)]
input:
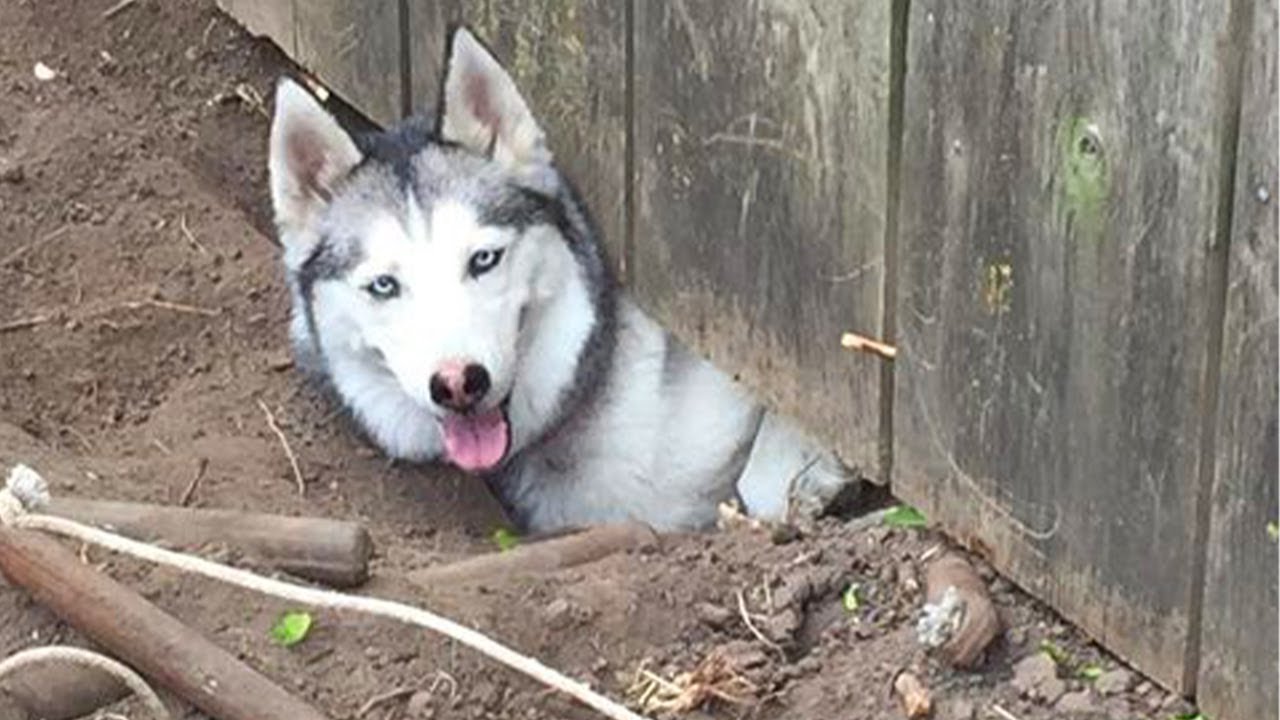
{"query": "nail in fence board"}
[(568, 58), (354, 48), (760, 149), (1238, 666), (1060, 188)]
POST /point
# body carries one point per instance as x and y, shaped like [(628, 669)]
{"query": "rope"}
[(80, 656), (30, 498)]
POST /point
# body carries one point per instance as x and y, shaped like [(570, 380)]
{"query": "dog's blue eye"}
[(384, 287), (482, 261)]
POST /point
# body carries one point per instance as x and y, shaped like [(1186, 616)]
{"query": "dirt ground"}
[(142, 318)]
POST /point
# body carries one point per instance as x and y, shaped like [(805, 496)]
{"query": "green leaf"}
[(505, 539), (1091, 672), (1194, 715), (905, 516), (1273, 531), (850, 599), (1055, 653), (291, 628)]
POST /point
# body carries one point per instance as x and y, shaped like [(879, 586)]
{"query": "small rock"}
[(1079, 702), (1114, 682), (958, 709), (43, 72), (558, 611), (784, 533), (809, 664), (279, 362), (1051, 690), (916, 700), (419, 703), (1036, 677), (13, 174), (1017, 637), (712, 615), (742, 654)]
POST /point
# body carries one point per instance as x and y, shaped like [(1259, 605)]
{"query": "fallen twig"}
[(191, 238), (380, 698), (23, 250), (190, 492), (117, 9), (746, 619), (1004, 713), (284, 442), (24, 323), (176, 307), (861, 343)]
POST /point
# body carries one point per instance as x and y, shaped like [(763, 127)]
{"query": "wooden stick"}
[(335, 552), (561, 552), (142, 635), (916, 700), (861, 343), (60, 691)]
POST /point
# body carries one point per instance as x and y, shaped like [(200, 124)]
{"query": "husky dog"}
[(449, 285)]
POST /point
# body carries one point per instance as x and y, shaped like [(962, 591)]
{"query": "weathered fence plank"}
[(1061, 178), (569, 59), (1238, 666), (265, 18), (355, 49), (760, 149)]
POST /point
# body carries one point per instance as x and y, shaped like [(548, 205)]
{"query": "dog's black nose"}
[(461, 388)]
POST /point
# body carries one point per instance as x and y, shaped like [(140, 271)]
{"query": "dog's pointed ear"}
[(309, 154), (482, 110)]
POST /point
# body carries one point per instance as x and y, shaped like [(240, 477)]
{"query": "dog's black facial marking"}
[(395, 148), (522, 208), (328, 260)]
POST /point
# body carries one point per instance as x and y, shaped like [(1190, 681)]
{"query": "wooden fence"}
[(1064, 214)]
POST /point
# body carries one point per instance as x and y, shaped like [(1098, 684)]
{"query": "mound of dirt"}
[(142, 318)]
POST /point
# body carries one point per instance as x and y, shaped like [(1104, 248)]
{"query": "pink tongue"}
[(476, 442)]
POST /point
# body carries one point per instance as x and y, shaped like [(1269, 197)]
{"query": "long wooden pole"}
[(335, 552), (142, 635)]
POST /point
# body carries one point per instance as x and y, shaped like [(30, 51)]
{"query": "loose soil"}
[(142, 317)]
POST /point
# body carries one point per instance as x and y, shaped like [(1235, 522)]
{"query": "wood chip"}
[(915, 697)]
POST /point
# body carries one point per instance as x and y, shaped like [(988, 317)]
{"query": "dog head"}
[(428, 264)]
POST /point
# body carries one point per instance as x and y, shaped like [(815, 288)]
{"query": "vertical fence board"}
[(1238, 667), (1061, 175), (265, 18), (354, 48), (760, 144), (568, 58)]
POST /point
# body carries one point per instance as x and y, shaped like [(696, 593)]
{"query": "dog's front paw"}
[(826, 486)]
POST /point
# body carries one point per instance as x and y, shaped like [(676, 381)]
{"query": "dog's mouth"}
[(477, 441)]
